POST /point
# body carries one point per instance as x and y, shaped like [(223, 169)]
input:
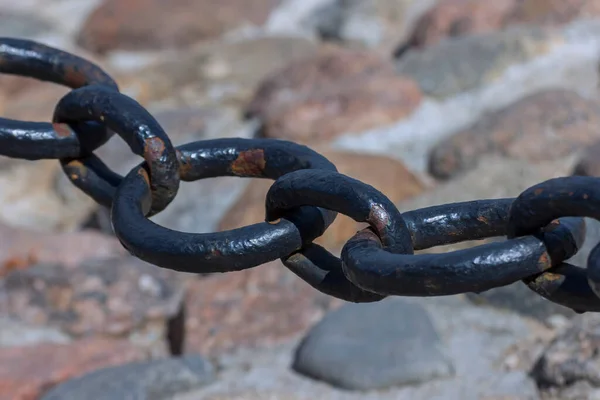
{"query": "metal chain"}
[(544, 225)]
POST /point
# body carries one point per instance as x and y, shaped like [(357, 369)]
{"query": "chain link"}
[(544, 225)]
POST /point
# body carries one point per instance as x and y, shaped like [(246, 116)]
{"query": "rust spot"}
[(548, 277), (585, 196), (154, 148), (185, 167), (250, 163), (537, 192), (367, 234), (62, 130), (17, 263), (378, 218), (74, 78), (544, 261), (431, 286), (142, 172), (483, 219)]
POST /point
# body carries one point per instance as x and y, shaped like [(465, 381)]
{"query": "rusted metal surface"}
[(232, 250), (544, 226)]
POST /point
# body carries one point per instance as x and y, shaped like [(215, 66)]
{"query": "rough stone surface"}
[(589, 165), (265, 305), (29, 371), (339, 91), (454, 18), (15, 333), (15, 24), (466, 63), (158, 380), (383, 173), (544, 126), (479, 342), (572, 356), (218, 73), (381, 24), (111, 297), (34, 195), (22, 248), (340, 351), (132, 25)]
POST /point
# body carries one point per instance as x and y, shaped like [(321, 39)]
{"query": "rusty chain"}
[(544, 225)]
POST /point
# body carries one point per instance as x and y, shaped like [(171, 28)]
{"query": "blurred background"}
[(429, 101)]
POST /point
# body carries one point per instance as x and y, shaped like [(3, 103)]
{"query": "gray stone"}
[(519, 298), (465, 63), (572, 356), (15, 333), (154, 380), (374, 346), (16, 24), (486, 346)]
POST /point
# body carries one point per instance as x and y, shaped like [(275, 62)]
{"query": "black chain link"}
[(544, 226)]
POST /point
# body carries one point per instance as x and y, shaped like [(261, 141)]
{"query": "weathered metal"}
[(544, 226)]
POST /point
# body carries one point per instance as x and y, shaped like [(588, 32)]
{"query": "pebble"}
[(340, 349), (158, 380)]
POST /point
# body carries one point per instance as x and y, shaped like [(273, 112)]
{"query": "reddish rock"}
[(383, 173), (112, 297), (459, 17), (338, 91), (159, 24), (261, 306), (589, 164), (21, 248), (27, 372), (451, 18), (541, 127)]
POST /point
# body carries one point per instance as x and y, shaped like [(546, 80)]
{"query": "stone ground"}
[(429, 102)]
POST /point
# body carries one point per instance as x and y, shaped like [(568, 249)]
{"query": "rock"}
[(117, 297), (588, 164), (374, 346), (265, 305), (23, 25), (519, 298), (454, 18), (14, 333), (364, 23), (552, 12), (132, 25), (382, 173), (158, 379), (572, 356), (477, 340), (22, 248), (339, 91), (225, 72), (37, 195), (27, 372), (462, 64), (547, 125)]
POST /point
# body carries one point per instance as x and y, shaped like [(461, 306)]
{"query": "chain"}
[(544, 225)]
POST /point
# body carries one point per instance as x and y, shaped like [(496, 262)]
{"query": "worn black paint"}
[(136, 126), (232, 250), (368, 265), (567, 196), (43, 140)]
